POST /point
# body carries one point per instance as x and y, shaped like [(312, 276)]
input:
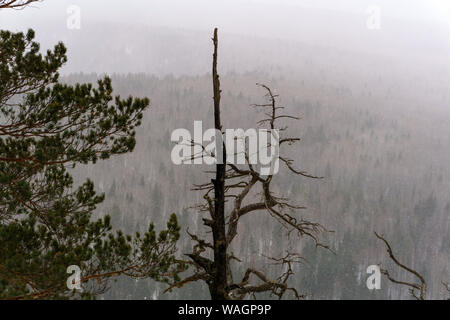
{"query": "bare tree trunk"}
[(219, 284), (216, 272)]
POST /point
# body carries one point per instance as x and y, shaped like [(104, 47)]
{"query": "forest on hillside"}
[(94, 206), (369, 183)]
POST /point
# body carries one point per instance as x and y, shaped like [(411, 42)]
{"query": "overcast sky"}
[(410, 29), (237, 16)]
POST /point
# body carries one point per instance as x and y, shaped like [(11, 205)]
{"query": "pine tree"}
[(46, 128)]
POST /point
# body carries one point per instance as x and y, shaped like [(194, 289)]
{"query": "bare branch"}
[(422, 287), (15, 4), (239, 185)]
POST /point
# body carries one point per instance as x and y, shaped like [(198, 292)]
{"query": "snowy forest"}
[(373, 110)]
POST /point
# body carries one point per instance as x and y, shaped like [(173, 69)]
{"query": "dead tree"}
[(232, 185), (219, 271)]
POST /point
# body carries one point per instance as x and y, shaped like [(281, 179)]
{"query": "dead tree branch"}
[(421, 287), (239, 184), (15, 4)]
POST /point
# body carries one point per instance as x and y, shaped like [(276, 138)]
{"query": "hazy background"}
[(408, 27), (375, 107)]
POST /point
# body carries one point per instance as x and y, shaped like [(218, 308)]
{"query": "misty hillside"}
[(393, 63), (291, 37), (374, 123), (382, 153)]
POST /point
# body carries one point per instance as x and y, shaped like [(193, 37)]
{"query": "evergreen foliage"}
[(47, 128)]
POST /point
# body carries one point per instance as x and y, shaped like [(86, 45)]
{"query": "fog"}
[(374, 97), (407, 27), (242, 16), (408, 30)]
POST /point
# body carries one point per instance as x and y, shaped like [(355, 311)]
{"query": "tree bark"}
[(219, 284)]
